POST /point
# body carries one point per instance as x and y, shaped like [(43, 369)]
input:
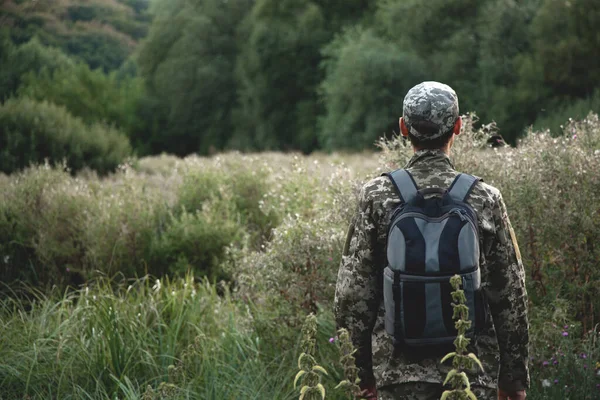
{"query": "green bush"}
[(42, 224), (31, 132), (229, 182), (556, 118), (196, 243), (57, 229), (88, 94)]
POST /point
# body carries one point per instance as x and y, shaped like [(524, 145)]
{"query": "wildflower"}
[(546, 383), (545, 363), (565, 334), (331, 340), (583, 355), (555, 381)]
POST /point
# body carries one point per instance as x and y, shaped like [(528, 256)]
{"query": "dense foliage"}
[(33, 132), (268, 231), (200, 76), (103, 33)]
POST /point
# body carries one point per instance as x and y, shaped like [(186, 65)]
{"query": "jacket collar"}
[(429, 159)]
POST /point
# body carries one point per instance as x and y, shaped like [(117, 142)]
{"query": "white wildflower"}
[(546, 383)]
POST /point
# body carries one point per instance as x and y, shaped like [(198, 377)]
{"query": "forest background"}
[(202, 76), (128, 271)]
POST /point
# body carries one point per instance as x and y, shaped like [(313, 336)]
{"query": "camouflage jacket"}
[(503, 345)]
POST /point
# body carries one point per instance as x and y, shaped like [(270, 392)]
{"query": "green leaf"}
[(343, 384), (302, 357), (450, 375), (465, 380), (321, 390), (470, 394), (476, 360), (303, 392), (320, 369), (448, 356), (446, 394), (298, 376)]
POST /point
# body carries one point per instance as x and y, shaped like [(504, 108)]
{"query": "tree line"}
[(201, 76)]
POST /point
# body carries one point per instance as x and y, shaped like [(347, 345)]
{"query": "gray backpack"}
[(429, 241)]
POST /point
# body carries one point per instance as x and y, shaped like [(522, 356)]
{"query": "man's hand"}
[(369, 392), (520, 395)]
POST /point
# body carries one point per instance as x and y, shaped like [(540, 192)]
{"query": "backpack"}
[(429, 241)]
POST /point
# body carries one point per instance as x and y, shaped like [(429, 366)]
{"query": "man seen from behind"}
[(391, 292)]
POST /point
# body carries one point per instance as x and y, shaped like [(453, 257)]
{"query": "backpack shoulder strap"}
[(462, 186), (404, 183)]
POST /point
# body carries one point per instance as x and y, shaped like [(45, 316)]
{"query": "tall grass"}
[(117, 340), (262, 234)]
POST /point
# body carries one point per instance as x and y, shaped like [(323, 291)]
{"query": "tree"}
[(188, 61), (88, 94), (101, 33), (566, 43), (366, 80), (278, 72), (32, 57), (444, 34)]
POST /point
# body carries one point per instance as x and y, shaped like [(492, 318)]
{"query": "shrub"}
[(230, 181), (126, 218), (88, 94), (296, 269), (55, 227), (31, 132), (556, 118), (42, 224), (196, 243)]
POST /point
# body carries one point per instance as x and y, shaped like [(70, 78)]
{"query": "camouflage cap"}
[(431, 102)]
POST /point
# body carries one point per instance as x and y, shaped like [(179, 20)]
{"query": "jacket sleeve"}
[(507, 298), (356, 295)]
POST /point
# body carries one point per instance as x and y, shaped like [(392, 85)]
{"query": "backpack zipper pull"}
[(461, 214)]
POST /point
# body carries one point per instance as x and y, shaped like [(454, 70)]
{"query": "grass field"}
[(197, 274)]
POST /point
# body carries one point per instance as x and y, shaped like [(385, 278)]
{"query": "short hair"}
[(428, 128)]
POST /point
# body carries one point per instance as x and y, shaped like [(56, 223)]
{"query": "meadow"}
[(191, 278)]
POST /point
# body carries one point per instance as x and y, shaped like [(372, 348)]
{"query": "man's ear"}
[(403, 128), (457, 126)]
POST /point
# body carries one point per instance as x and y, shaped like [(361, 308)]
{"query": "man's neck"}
[(445, 150)]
